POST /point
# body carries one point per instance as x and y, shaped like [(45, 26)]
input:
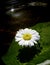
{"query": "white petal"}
[(34, 32), (31, 43), (21, 42), (21, 31), (26, 30), (35, 37), (35, 42), (18, 35), (26, 43), (30, 31), (18, 39)]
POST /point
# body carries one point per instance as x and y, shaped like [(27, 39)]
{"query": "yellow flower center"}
[(27, 36)]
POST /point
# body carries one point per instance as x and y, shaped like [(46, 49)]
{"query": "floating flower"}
[(27, 37)]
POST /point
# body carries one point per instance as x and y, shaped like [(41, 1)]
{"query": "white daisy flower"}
[(27, 37)]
